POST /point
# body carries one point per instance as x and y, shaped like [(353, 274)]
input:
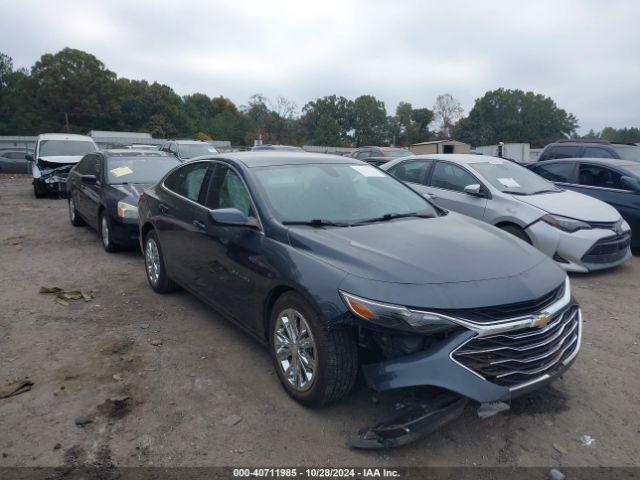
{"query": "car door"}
[(180, 214), (88, 194), (604, 184), (446, 185), (233, 273)]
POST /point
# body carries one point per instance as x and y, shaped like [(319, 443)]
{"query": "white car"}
[(54, 155), (579, 232)]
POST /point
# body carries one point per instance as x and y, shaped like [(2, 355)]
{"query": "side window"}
[(413, 172), (83, 164), (227, 190), (596, 152), (187, 180), (451, 177), (556, 172), (597, 176), (173, 148), (562, 152), (363, 154)]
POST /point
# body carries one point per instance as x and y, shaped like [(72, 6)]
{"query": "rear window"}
[(140, 169), (629, 152), (65, 148)]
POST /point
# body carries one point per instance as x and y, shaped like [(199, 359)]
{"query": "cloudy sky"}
[(584, 54)]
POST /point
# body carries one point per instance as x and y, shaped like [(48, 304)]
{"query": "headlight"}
[(126, 210), (564, 223), (395, 316)]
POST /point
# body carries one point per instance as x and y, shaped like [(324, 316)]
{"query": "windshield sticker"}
[(121, 171), (368, 170), (211, 149), (509, 182)]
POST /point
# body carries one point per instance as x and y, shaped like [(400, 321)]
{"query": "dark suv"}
[(590, 148)]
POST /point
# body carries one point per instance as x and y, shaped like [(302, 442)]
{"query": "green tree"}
[(370, 122), (515, 116), (410, 125), (621, 135), (73, 91), (328, 121)]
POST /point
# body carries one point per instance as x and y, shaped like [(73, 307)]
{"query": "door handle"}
[(163, 208), (199, 225)]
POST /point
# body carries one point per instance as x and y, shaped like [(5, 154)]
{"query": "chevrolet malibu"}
[(318, 256), (579, 232)]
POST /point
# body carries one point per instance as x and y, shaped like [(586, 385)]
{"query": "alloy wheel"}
[(295, 349), (152, 261)]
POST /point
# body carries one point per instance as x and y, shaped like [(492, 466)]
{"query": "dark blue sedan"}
[(103, 189), (319, 255)]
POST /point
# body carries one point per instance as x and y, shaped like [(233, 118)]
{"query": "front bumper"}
[(51, 185), (577, 251), (483, 363), (124, 231)]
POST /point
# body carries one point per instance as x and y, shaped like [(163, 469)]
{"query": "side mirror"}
[(473, 189), (89, 179), (232, 217), (28, 157), (630, 183)]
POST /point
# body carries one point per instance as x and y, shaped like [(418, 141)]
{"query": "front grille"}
[(607, 250), (518, 356), (508, 311)]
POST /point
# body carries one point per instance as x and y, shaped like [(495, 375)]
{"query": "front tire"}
[(517, 232), (106, 234), (155, 265), (37, 192), (316, 365), (74, 218)]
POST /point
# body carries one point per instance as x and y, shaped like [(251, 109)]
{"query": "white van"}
[(54, 155)]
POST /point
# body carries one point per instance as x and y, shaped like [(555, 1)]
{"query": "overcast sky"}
[(583, 54)]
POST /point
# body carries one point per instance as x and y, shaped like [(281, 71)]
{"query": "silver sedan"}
[(579, 232)]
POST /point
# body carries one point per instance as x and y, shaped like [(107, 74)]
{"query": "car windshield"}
[(509, 177), (65, 148), (338, 193), (192, 150), (629, 152), (397, 153), (142, 169)]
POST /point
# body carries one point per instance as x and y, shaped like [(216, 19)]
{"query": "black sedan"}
[(317, 255), (616, 182), (104, 187)]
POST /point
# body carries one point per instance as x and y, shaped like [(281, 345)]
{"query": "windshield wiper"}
[(316, 222), (391, 216), (512, 192), (546, 191)]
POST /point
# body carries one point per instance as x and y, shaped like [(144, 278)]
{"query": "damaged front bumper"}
[(52, 180), (491, 361)]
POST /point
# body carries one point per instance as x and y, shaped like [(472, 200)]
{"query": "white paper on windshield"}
[(367, 170), (212, 150), (509, 182), (121, 171)]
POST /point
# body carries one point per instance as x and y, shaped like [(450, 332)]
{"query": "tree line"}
[(73, 91)]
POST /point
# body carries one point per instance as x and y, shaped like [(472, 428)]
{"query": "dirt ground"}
[(85, 358)]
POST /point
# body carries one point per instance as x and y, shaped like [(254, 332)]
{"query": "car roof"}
[(268, 158), (612, 162), (190, 142), (461, 158), (64, 136), (132, 152)]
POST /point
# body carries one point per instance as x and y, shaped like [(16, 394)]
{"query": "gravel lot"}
[(182, 393)]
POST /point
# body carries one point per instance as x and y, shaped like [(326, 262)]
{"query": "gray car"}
[(579, 232)]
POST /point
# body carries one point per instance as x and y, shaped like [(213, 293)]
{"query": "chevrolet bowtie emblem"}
[(542, 321)]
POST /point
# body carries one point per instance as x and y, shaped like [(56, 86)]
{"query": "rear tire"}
[(316, 364), (154, 264), (106, 234), (74, 218), (516, 232)]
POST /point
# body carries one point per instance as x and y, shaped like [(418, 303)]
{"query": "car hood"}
[(573, 205), (447, 249), (132, 191), (62, 159)]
